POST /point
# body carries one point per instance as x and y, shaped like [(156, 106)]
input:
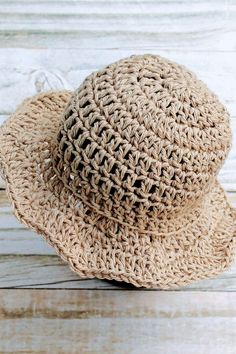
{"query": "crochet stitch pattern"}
[(121, 175), (141, 140)]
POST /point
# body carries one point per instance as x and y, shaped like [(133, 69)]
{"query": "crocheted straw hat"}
[(120, 176)]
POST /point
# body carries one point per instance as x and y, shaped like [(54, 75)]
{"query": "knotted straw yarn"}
[(120, 176), (141, 140)]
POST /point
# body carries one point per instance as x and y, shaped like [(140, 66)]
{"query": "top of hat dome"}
[(142, 138)]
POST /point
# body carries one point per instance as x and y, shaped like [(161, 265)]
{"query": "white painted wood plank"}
[(3, 117), (103, 7), (51, 9), (91, 24), (44, 272), (22, 242), (24, 72), (117, 322), (119, 16)]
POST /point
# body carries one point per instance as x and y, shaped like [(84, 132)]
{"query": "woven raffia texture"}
[(142, 140), (120, 176)]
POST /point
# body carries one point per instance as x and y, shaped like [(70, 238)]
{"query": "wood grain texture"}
[(115, 24), (25, 72), (136, 322)]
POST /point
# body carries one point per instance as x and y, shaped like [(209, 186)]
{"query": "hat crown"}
[(142, 139)]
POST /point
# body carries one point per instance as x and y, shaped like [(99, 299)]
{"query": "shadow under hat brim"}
[(93, 245)]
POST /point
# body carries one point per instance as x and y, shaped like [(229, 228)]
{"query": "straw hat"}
[(120, 176)]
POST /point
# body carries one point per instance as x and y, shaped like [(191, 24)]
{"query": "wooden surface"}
[(44, 307), (117, 322)]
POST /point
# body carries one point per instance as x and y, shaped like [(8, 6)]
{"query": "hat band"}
[(190, 214), (192, 218)]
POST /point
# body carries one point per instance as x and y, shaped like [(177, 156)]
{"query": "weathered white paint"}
[(24, 72), (21, 241), (116, 24), (127, 322)]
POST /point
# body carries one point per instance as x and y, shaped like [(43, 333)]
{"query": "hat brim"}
[(93, 245)]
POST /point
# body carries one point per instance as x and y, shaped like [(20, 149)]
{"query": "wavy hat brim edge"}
[(92, 245)]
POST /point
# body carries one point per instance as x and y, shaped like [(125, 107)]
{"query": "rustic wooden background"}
[(44, 307)]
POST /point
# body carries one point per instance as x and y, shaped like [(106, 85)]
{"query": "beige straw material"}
[(120, 177)]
